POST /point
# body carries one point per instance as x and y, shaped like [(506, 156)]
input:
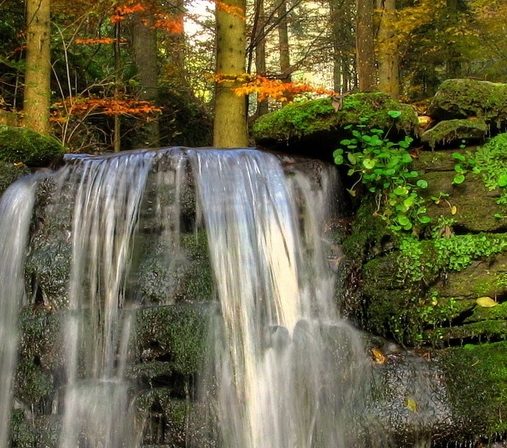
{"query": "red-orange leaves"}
[(121, 11), (107, 106), (277, 90)]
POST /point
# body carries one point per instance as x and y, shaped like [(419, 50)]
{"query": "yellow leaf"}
[(486, 302), (411, 404), (378, 356), (453, 210)]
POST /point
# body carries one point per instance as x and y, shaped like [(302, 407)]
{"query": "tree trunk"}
[(117, 79), (387, 55), (37, 94), (365, 46), (260, 53), (343, 44), (453, 56), (283, 40), (230, 125), (145, 57)]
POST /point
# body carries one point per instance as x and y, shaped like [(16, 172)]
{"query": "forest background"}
[(104, 75)]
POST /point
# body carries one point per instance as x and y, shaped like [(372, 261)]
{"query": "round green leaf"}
[(369, 164), (394, 113), (459, 179), (400, 191), (338, 160), (502, 180), (421, 183), (408, 202), (402, 220)]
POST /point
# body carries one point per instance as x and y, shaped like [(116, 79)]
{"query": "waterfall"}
[(283, 369), (96, 334), (15, 213)]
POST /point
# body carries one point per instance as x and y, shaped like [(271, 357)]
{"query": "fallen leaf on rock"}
[(486, 302)]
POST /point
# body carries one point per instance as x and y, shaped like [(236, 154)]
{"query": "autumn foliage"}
[(85, 106), (269, 88), (171, 24)]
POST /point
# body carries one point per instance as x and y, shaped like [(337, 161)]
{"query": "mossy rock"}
[(318, 118), (29, 147), (465, 98), (476, 379), (9, 172), (477, 204), (451, 131), (173, 334)]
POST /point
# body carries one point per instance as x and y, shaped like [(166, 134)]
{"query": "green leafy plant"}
[(383, 167), (424, 259), (490, 160), (465, 163)]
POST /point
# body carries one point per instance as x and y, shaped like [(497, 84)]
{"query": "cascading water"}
[(97, 329), (15, 212), (284, 371)]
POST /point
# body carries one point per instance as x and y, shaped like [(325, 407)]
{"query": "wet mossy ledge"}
[(320, 124), (476, 379)]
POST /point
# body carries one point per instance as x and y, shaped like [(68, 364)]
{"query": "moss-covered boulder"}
[(448, 132), (476, 379), (319, 125), (465, 98), (26, 146)]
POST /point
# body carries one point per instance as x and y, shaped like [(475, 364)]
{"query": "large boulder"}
[(465, 98)]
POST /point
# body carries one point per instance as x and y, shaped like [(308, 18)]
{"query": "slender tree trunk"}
[(175, 43), (283, 39), (117, 67), (37, 95), (230, 125), (453, 63), (260, 53), (387, 56), (365, 46), (145, 56), (343, 44)]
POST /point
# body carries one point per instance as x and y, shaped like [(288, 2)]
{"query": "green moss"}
[(28, 147), (198, 282), (33, 384), (476, 379), (9, 172), (23, 434), (424, 259), (486, 330), (448, 131), (491, 161), (174, 334), (302, 119), (369, 236), (462, 98)]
